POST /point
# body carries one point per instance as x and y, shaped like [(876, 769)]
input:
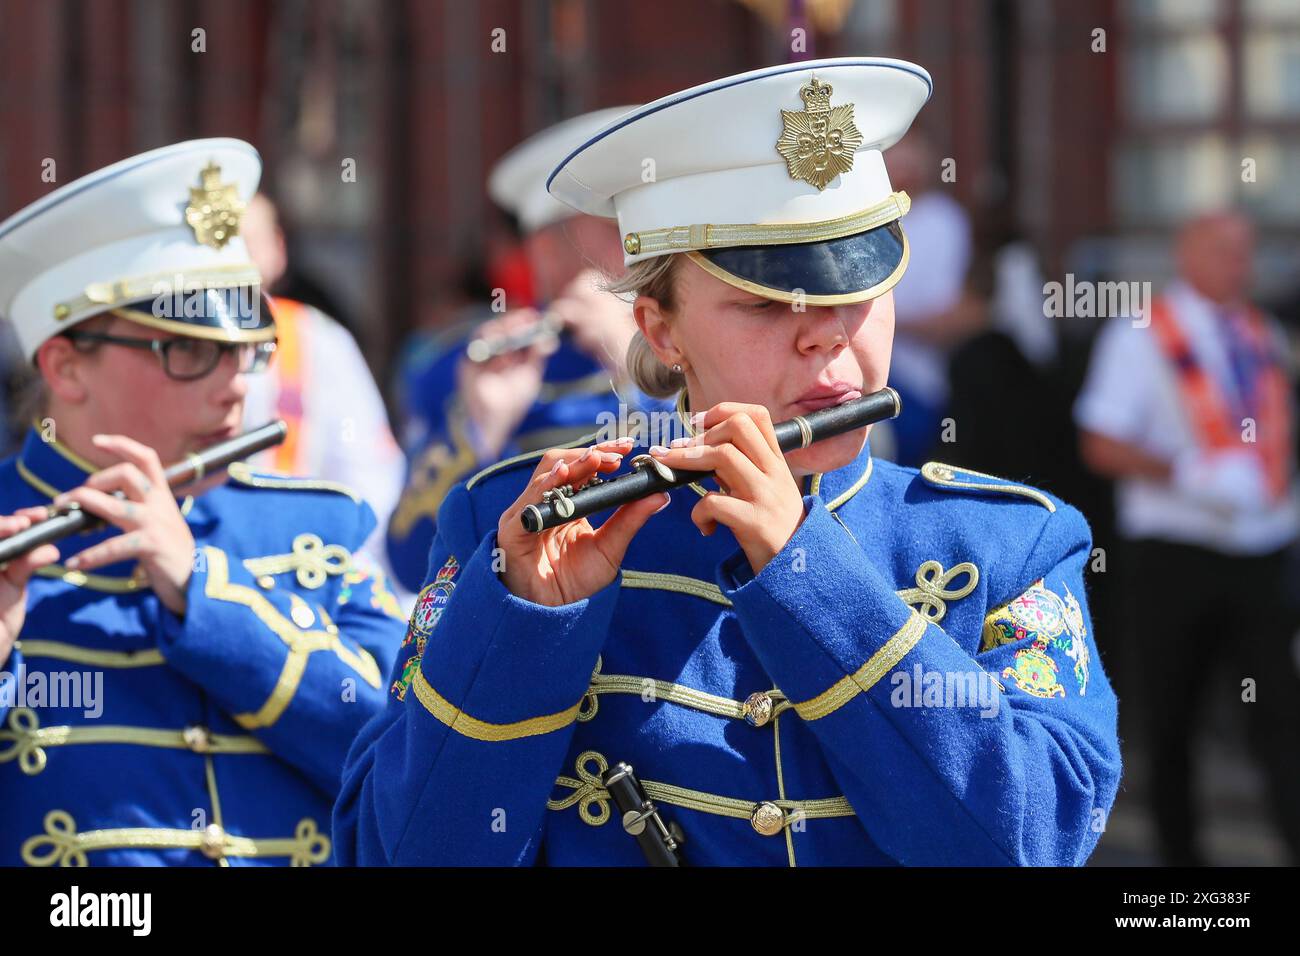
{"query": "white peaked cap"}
[(518, 181), (132, 235), (772, 180)]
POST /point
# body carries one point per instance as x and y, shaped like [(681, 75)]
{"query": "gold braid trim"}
[(675, 582), (26, 740), (311, 559), (931, 594), (592, 799), (670, 692), (301, 643), (490, 470), (106, 583), (476, 729), (947, 476), (61, 844), (241, 473), (865, 677), (26, 474), (57, 650), (719, 235)]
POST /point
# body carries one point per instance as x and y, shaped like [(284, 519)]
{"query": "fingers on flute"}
[(714, 509), (124, 477), (747, 426), (20, 520), (17, 571), (128, 449), (12, 524), (561, 466), (121, 547), (729, 464), (124, 514)]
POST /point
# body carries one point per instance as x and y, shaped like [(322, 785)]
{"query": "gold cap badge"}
[(818, 144), (214, 210)]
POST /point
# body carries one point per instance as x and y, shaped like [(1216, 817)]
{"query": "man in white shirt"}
[(1188, 409)]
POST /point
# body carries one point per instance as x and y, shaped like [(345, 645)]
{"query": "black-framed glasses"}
[(187, 359)]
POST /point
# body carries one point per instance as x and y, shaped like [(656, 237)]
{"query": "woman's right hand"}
[(14, 576), (572, 561)]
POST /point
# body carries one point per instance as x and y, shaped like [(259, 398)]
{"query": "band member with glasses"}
[(179, 686), (813, 658)]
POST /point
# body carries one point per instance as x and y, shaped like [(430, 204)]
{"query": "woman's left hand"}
[(154, 531), (763, 505)]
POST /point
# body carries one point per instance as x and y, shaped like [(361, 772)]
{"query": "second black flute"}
[(651, 476), (191, 469)]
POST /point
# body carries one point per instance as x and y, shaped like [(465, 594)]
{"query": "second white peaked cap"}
[(154, 228), (518, 181), (772, 180)]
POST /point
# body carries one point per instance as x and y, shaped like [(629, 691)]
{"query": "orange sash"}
[(1212, 419)]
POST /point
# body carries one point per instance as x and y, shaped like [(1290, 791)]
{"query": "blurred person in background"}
[(11, 379), (470, 414), (1189, 410), (932, 309), (321, 386)]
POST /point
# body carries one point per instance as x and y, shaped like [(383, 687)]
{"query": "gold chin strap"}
[(722, 236), (103, 296)]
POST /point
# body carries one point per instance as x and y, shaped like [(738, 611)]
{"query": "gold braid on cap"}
[(713, 236)]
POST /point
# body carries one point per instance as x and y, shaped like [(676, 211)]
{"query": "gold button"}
[(768, 818), (302, 614), (197, 738), (757, 709), (632, 243), (214, 842), (944, 474)]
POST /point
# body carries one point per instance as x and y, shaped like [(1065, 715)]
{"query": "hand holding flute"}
[(738, 444), (135, 495), (15, 574)]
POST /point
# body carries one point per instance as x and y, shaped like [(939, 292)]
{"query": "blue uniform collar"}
[(50, 466), (833, 487)]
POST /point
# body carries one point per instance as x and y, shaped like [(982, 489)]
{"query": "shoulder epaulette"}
[(528, 456), (241, 473), (953, 478)]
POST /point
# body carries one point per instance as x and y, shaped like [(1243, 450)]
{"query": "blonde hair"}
[(655, 278)]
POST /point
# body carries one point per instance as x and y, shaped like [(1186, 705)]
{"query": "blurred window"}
[(1209, 94)]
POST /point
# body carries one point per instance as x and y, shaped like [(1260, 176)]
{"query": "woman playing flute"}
[(820, 658)]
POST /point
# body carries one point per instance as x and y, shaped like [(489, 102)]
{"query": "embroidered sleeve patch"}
[(364, 568), (428, 609), (1046, 620)]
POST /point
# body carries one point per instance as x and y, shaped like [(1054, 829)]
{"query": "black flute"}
[(651, 476), (192, 469), (660, 842)]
